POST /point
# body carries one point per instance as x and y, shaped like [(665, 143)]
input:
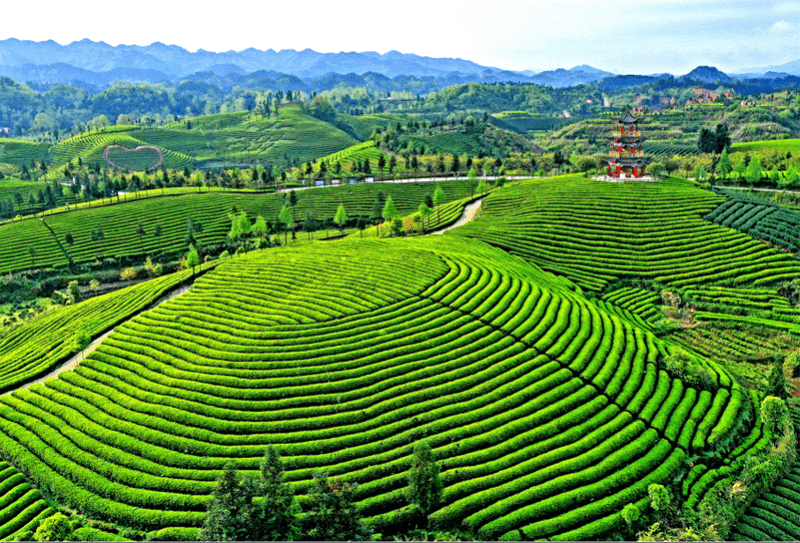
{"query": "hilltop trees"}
[(724, 167), (714, 141), (260, 229), (753, 172), (193, 258), (340, 218), (389, 212), (287, 218), (240, 227)]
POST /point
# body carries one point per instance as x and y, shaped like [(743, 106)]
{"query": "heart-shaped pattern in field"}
[(139, 159)]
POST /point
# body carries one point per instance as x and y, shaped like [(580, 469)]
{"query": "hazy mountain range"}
[(94, 65)]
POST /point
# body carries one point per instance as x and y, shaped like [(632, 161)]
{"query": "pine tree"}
[(275, 518), (230, 508), (425, 487)]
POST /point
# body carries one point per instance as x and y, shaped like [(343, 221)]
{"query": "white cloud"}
[(782, 27)]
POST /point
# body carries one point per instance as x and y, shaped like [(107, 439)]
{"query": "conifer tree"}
[(230, 508), (425, 487), (275, 518)]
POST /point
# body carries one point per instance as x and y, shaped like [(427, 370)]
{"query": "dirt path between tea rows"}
[(470, 212), (73, 361)]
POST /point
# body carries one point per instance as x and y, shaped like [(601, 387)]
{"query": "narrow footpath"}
[(73, 362), (756, 190), (470, 212)]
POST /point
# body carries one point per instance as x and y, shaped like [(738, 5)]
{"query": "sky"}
[(623, 36)]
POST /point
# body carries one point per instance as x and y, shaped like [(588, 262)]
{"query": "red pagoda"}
[(626, 158)]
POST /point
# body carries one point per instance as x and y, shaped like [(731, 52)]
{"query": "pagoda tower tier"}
[(627, 158)]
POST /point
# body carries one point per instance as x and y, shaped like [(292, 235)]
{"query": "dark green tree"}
[(377, 207), (275, 517), (425, 488), (706, 141), (230, 509), (722, 138), (776, 380), (456, 164), (333, 515)]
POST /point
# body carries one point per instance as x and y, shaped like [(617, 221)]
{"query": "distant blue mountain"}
[(92, 64)]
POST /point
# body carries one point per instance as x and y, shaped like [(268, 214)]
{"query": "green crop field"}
[(9, 187), (782, 146), (546, 413), (775, 516), (22, 153), (22, 506), (223, 138), (171, 213), (27, 352), (760, 218), (669, 149), (531, 348), (595, 233)]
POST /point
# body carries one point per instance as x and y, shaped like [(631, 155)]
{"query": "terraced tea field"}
[(171, 213), (546, 413), (760, 218), (775, 516), (223, 138), (22, 506), (30, 351), (594, 234)]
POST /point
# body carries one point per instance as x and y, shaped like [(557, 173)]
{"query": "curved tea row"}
[(546, 413), (164, 220), (594, 234)]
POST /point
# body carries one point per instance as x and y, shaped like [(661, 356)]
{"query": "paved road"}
[(414, 180)]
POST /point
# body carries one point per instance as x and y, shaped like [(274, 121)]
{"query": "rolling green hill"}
[(548, 410), (546, 413), (595, 233), (231, 138), (775, 516), (171, 213)]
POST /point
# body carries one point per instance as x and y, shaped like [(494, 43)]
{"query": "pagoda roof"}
[(628, 119)]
